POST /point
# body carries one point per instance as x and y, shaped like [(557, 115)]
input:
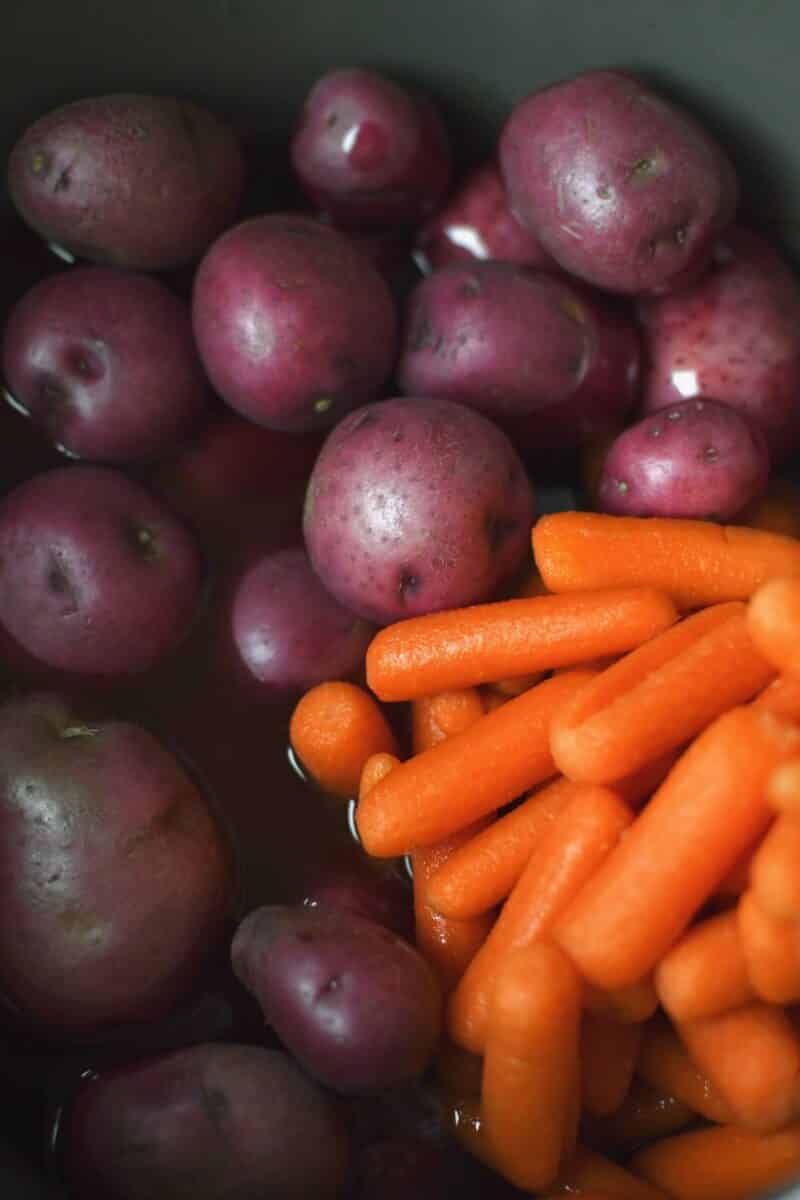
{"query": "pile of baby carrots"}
[(602, 810)]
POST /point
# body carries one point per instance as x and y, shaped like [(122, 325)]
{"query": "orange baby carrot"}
[(752, 1057), (463, 647), (665, 1065), (694, 562), (777, 511), (484, 870), (434, 718), (448, 945), (659, 696), (775, 869), (737, 880), (705, 973), (530, 1074), (773, 618), (515, 685), (334, 729), (588, 1172), (771, 950), (608, 1055), (629, 1005), (725, 1163), (709, 810), (567, 855), (644, 1115), (783, 789), (376, 767), (782, 697), (467, 776)]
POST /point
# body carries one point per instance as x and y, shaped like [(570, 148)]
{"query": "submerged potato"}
[(129, 180), (416, 505)]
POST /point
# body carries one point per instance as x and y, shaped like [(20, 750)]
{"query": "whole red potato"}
[(622, 187), (733, 336), (96, 575), (477, 223), (130, 180), (294, 325), (550, 363), (415, 505), (696, 459), (115, 880), (104, 362), (368, 153)]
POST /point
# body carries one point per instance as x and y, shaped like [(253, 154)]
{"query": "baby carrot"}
[(664, 1064), (567, 855), (771, 950), (467, 776), (694, 562), (752, 1057), (705, 973), (484, 642), (644, 1115), (376, 767), (608, 1055), (708, 811), (587, 1172), (775, 869), (778, 510), (782, 697), (334, 729), (530, 1074), (773, 618), (484, 870), (434, 718), (659, 696), (723, 1163), (448, 945), (629, 1005), (737, 880), (783, 789)]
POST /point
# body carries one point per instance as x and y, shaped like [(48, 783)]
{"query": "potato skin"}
[(358, 1006), (697, 459), (734, 336), (129, 180), (415, 505), (211, 1122), (623, 188), (115, 880)]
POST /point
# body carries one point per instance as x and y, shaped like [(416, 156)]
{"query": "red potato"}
[(115, 880), (551, 364), (208, 1123), (360, 887), (289, 631), (104, 362), (233, 475), (477, 223), (96, 575), (130, 180), (416, 505), (358, 1007), (623, 188), (733, 336), (293, 324), (368, 153), (697, 459)]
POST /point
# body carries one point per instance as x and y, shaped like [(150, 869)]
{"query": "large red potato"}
[(294, 325), (104, 362), (96, 575), (116, 882), (415, 505), (129, 180), (733, 336), (623, 188), (208, 1123)]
